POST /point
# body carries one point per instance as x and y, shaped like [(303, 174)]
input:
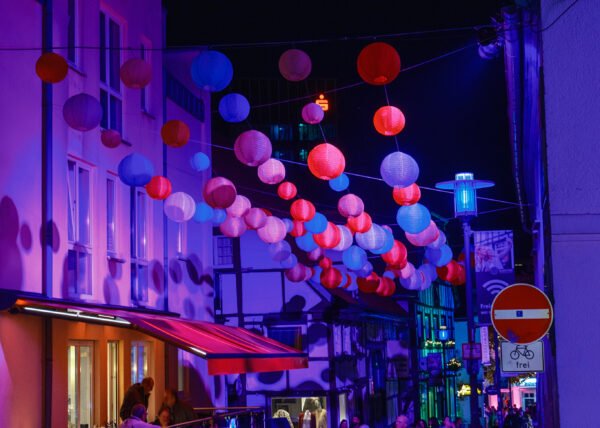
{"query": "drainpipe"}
[(164, 166)]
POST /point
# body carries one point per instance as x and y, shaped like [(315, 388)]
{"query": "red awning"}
[(228, 349)]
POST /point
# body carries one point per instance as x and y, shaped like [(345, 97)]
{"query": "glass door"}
[(80, 384), (113, 381)]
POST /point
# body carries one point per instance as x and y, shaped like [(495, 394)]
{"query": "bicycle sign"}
[(517, 358)]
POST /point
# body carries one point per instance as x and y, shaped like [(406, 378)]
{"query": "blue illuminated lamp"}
[(443, 334), (465, 193)]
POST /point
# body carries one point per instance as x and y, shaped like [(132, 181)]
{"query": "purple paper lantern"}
[(280, 251), (312, 113), (346, 238), (399, 169), (272, 171), (350, 205), (297, 273), (372, 239), (82, 112), (252, 148), (295, 65), (289, 262), (233, 227)]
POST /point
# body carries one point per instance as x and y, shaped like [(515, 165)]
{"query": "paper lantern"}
[(203, 213), (110, 138), (350, 205), (289, 224), (287, 190), (272, 171), (413, 218), (325, 262), (273, 230), (460, 278), (315, 254), (234, 108), (326, 161), (317, 224), (345, 239), (295, 65), (389, 120), (397, 256), (354, 257), (371, 239), (219, 192), (441, 240), (331, 278), (175, 133), (399, 169), (439, 256), (233, 227), (51, 67), (429, 270), (340, 183), (306, 242), (255, 218), (388, 243), (407, 271), (386, 288), (136, 73), (296, 273), (135, 170), (289, 262), (219, 216), (302, 210), (158, 187), (252, 148), (407, 195), (82, 112), (200, 161), (180, 207), (312, 113), (329, 238), (212, 71), (413, 282), (425, 237), (365, 271), (360, 223), (280, 251), (239, 207), (378, 63), (369, 283), (298, 228)]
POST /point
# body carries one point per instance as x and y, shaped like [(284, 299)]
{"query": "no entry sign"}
[(521, 313)]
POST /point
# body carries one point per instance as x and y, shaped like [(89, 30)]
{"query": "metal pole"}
[(471, 364), (497, 374), (444, 401)]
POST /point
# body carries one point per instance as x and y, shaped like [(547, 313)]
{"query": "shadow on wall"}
[(11, 265)]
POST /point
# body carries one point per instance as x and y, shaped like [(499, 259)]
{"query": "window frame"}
[(221, 259), (145, 92), (139, 261), (77, 344), (73, 22), (107, 91), (114, 251)]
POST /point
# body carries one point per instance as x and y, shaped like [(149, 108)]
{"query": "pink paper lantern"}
[(295, 65), (273, 231), (425, 237), (312, 113), (179, 207), (350, 205), (233, 227), (239, 207), (271, 172), (297, 273), (287, 190), (255, 218), (252, 148), (136, 73), (219, 192), (345, 239)]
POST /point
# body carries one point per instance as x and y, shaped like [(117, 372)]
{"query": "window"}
[(111, 215), (79, 258), (139, 361), (113, 382), (80, 387), (303, 154), (145, 91), (110, 64), (223, 254), (290, 335), (139, 249), (72, 32), (184, 98)]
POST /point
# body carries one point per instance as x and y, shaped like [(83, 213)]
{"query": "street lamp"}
[(465, 188), (443, 335)]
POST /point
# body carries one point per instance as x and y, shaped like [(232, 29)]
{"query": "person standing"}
[(138, 393), (180, 410), (401, 421)]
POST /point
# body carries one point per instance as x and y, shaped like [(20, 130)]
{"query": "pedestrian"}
[(344, 423), (401, 421), (447, 423), (433, 422), (356, 420), (138, 393), (421, 423), (137, 418), (181, 411), (163, 419)]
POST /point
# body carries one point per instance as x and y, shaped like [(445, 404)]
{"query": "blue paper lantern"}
[(317, 224), (354, 257), (234, 108), (429, 270), (399, 169), (212, 71), (289, 262), (136, 170), (439, 256), (289, 224), (280, 250), (200, 161), (371, 239), (204, 212), (389, 274), (306, 242), (365, 270), (340, 183), (219, 216), (387, 246), (413, 218)]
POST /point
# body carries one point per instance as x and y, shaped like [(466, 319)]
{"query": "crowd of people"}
[(133, 411), (510, 417), (402, 421)]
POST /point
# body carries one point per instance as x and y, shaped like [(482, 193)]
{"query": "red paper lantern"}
[(348, 281), (368, 284), (329, 238), (389, 120), (378, 63), (331, 278), (267, 212), (110, 138), (136, 73), (175, 133), (326, 161), (325, 263), (397, 256), (302, 210), (460, 276), (233, 227), (298, 229), (252, 148), (350, 205), (386, 287), (219, 192), (158, 187), (255, 218), (287, 190), (405, 196), (295, 65), (425, 237), (360, 223), (51, 67)]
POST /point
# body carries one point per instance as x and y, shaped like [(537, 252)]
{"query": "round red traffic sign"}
[(521, 313)]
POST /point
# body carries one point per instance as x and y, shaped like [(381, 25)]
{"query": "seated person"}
[(137, 418), (163, 419)]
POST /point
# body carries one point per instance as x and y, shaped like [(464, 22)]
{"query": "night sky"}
[(455, 107)]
